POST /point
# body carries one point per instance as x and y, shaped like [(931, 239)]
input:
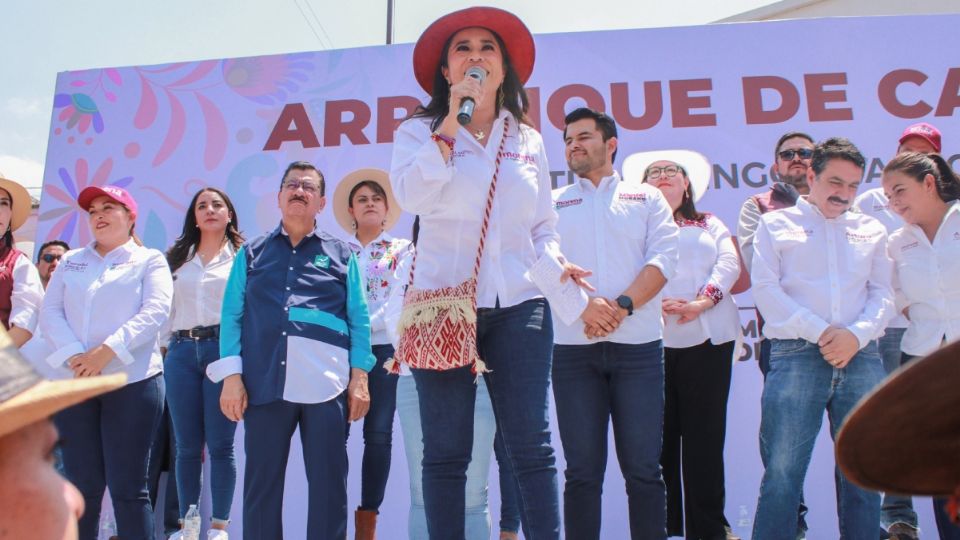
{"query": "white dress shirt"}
[(198, 292), (876, 205), (926, 280), (615, 230), (450, 200), (810, 273), (121, 300), (27, 295), (378, 262), (710, 266)]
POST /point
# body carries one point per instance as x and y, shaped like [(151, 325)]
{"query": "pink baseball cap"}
[(115, 193), (926, 132)]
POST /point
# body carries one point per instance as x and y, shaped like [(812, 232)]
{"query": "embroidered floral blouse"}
[(378, 264)]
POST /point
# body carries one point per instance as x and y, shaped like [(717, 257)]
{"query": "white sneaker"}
[(217, 534), (176, 536)]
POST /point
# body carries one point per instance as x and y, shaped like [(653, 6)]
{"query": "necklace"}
[(479, 134)]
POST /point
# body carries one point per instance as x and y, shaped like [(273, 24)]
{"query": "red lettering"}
[(652, 105), (293, 125), (334, 126), (387, 120), (753, 109), (558, 100), (950, 97), (887, 93), (818, 97), (681, 102)]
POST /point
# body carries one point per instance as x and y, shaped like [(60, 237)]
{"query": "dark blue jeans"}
[(516, 342), (109, 439), (163, 458), (378, 431), (593, 384), (194, 403)]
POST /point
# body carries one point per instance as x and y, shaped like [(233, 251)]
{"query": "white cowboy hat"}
[(341, 198), (694, 163)]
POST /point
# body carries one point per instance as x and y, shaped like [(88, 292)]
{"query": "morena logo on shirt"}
[(636, 197), (796, 234), (521, 158), (911, 245), (564, 204), (71, 266), (862, 238)]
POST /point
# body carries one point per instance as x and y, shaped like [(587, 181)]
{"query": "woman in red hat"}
[(442, 170), (103, 313)]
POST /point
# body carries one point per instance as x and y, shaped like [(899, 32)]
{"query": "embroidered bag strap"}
[(486, 210)]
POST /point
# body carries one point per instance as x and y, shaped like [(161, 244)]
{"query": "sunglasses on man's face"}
[(50, 257), (804, 153)]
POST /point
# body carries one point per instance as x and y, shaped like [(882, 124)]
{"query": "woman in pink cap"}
[(103, 312)]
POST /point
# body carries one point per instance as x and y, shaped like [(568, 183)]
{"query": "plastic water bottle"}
[(191, 524)]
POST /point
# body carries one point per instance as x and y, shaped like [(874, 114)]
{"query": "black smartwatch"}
[(626, 303)]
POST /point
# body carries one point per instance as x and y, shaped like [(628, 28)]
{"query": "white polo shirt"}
[(810, 272), (615, 230), (927, 280)]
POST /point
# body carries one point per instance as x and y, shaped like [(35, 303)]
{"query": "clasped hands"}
[(838, 346), (602, 315), (92, 362)]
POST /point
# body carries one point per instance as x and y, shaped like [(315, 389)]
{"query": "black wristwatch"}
[(626, 303)]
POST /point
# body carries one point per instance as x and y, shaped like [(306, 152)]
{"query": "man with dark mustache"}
[(295, 345), (822, 281)]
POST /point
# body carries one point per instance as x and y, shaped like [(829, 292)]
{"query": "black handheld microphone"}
[(467, 104)]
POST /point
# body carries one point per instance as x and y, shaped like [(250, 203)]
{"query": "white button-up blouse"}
[(450, 199), (198, 292)]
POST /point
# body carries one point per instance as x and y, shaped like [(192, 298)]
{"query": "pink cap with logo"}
[(118, 194), (926, 132)]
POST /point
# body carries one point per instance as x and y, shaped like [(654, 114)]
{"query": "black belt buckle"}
[(196, 332), (199, 332)]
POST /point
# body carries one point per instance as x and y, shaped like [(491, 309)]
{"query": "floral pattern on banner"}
[(67, 213)]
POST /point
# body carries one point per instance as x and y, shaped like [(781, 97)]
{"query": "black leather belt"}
[(199, 332)]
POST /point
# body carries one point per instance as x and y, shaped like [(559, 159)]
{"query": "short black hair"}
[(606, 125), (303, 166), (790, 135), (835, 148), (45, 245)]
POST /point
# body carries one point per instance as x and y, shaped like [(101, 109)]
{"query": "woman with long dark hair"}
[(443, 171), (21, 291), (103, 312), (700, 333), (924, 191), (201, 260)]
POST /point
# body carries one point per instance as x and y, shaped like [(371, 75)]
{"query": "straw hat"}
[(905, 436), (21, 202), (515, 35), (26, 397), (341, 198), (696, 165)]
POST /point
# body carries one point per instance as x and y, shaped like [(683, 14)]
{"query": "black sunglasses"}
[(50, 257), (787, 155)]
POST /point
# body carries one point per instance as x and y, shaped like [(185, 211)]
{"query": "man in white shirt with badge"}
[(822, 281), (609, 362)]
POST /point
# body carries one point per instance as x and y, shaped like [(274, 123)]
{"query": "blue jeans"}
[(798, 387), (194, 403), (516, 342), (109, 446), (477, 514), (593, 384), (378, 431), (894, 508)]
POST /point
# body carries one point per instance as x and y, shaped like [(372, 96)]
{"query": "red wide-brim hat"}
[(515, 35)]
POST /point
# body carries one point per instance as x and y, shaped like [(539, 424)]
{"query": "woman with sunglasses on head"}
[(201, 260), (700, 336), (103, 313), (924, 191), (484, 172), (21, 292)]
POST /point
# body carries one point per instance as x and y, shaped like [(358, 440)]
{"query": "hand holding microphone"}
[(465, 94)]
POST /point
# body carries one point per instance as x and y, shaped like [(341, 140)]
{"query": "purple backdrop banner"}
[(728, 91)]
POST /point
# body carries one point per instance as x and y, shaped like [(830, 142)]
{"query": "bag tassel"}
[(428, 314)]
